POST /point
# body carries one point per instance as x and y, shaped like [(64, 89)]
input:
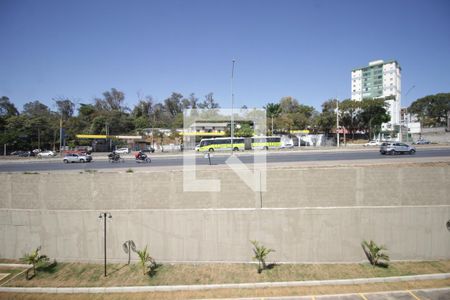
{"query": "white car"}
[(73, 157), (46, 154), (122, 151), (372, 143)]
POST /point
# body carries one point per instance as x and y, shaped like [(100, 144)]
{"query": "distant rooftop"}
[(377, 62)]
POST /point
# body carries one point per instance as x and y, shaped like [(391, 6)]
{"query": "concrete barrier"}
[(306, 215)]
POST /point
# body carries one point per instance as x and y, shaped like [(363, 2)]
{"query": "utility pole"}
[(4, 145), (406, 112), (60, 136), (337, 121), (232, 106)]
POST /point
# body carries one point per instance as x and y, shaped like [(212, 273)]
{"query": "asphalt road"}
[(219, 159)]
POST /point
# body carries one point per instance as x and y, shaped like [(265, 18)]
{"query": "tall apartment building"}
[(379, 79)]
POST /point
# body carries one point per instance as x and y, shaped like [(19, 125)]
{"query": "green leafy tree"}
[(273, 110), (349, 110), (375, 254), (245, 131), (432, 110), (261, 254), (373, 113), (327, 118), (7, 110), (35, 259), (173, 104)]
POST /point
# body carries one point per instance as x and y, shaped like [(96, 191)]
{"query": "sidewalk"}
[(172, 288)]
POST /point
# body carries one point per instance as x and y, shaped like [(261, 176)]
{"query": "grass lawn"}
[(86, 275)]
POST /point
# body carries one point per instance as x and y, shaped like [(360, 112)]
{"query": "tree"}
[(261, 254), (7, 108), (349, 115), (273, 110), (40, 126), (173, 104), (144, 258), (327, 118), (288, 105), (432, 110), (373, 113), (65, 108), (245, 131), (34, 258), (112, 100), (209, 102), (375, 253)]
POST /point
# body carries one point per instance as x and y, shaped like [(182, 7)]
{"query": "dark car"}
[(21, 153), (148, 150)]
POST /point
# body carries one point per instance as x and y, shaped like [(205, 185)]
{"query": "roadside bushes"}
[(35, 259)]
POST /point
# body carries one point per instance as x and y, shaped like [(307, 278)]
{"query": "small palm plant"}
[(34, 258), (261, 253), (144, 257), (375, 253)]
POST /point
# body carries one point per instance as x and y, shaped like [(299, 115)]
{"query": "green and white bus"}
[(221, 144), (266, 142), (239, 143)]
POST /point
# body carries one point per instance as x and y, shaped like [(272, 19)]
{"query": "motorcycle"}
[(114, 158), (143, 158)]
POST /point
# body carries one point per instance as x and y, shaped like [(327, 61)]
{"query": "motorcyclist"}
[(114, 156), (140, 155)]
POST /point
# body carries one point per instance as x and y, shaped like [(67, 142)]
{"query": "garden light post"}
[(104, 216)]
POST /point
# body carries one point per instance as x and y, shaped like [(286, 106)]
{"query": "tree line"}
[(37, 125)]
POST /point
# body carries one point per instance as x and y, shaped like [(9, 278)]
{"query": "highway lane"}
[(219, 159)]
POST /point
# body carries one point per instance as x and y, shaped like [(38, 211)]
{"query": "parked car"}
[(372, 143), (73, 157), (396, 148), (422, 142), (46, 154), (148, 150), (123, 151)]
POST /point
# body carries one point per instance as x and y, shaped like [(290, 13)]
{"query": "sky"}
[(304, 49)]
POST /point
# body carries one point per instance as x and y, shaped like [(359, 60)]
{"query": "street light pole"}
[(337, 121), (103, 216), (406, 111), (232, 106)]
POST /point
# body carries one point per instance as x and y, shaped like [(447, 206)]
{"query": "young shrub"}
[(144, 258), (261, 254), (375, 254), (34, 258)]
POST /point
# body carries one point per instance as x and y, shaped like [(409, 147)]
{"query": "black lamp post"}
[(104, 216)]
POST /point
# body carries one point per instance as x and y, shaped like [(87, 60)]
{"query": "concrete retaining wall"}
[(307, 215)]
